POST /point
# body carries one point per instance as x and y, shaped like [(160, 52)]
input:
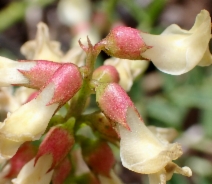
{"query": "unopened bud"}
[(124, 42), (62, 171), (106, 73), (96, 152)]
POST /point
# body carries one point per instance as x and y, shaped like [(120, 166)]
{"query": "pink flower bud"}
[(100, 123), (24, 154), (114, 102), (58, 142), (124, 42), (40, 73), (99, 157), (106, 73), (67, 81), (61, 172)]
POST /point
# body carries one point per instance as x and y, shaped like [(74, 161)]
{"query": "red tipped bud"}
[(24, 154), (40, 73), (114, 102), (58, 142), (106, 73), (61, 172), (124, 42), (99, 157)]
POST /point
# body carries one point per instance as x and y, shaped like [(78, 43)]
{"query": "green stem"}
[(78, 102)]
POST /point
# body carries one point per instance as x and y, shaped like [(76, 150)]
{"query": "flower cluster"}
[(47, 137)]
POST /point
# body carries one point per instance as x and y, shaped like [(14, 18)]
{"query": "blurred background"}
[(182, 102)]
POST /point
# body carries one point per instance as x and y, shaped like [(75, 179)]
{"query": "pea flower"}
[(26, 123), (143, 152), (43, 48), (30, 121), (177, 51)]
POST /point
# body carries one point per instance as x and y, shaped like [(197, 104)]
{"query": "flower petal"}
[(9, 73), (141, 151), (177, 51), (42, 47), (30, 120)]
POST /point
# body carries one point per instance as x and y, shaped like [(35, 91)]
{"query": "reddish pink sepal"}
[(114, 102), (124, 42), (99, 157), (58, 142), (40, 73), (67, 81), (24, 154), (61, 171)]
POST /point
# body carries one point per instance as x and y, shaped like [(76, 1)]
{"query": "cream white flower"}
[(26, 123), (9, 73), (143, 152), (128, 70), (177, 51), (42, 48), (36, 174)]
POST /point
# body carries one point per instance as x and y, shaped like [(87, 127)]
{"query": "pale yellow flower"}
[(26, 123), (9, 73), (143, 152), (177, 51), (42, 48)]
